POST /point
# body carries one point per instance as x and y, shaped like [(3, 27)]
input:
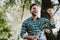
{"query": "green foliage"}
[(39, 2), (11, 2), (27, 3), (4, 28)]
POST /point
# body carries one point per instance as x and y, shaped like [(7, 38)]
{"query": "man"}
[(34, 25)]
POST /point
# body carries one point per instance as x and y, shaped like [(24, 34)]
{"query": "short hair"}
[(32, 5)]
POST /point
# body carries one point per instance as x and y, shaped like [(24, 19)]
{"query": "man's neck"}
[(34, 18)]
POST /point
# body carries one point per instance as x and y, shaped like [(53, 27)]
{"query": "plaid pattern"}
[(32, 28)]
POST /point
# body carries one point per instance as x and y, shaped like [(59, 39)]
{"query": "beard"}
[(34, 14)]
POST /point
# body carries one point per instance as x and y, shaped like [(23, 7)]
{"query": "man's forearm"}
[(28, 37), (31, 37)]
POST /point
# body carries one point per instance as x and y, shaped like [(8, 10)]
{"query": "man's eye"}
[(33, 8)]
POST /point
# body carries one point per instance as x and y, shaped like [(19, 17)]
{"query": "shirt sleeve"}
[(49, 24), (23, 30)]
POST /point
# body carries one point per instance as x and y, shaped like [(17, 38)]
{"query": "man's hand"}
[(35, 37)]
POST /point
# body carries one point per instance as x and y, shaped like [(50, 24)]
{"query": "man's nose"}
[(36, 9)]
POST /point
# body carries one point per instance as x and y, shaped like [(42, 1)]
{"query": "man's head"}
[(34, 9)]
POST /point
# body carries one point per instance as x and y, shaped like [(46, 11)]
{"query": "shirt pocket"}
[(30, 27)]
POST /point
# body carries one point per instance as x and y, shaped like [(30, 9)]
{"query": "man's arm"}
[(49, 23), (31, 37), (23, 33)]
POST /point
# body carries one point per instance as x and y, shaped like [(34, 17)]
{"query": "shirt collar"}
[(32, 19)]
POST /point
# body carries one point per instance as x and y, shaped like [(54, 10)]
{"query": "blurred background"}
[(14, 12)]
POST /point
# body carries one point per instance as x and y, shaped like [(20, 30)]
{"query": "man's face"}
[(34, 10)]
